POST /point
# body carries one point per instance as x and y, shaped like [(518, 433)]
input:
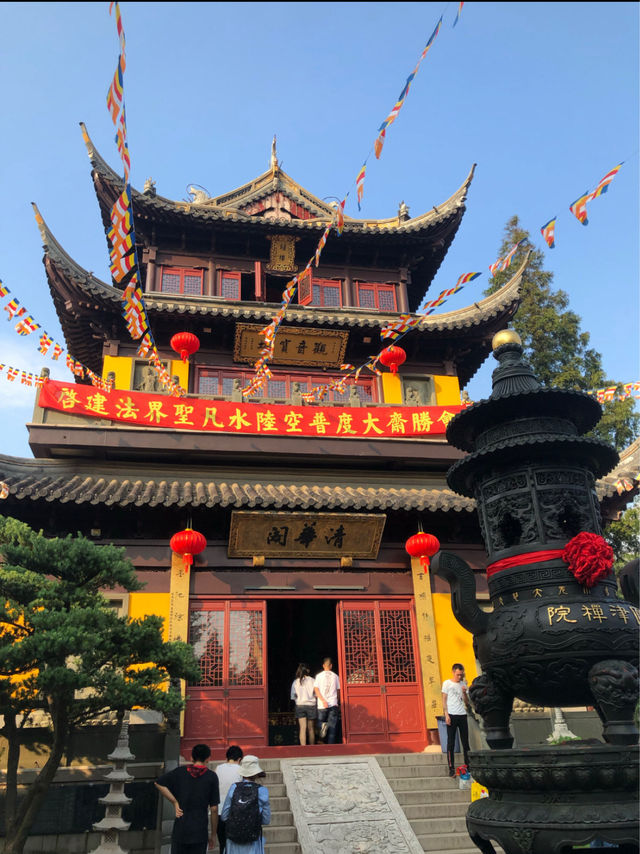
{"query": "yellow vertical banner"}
[(427, 642), (179, 611), (178, 600)]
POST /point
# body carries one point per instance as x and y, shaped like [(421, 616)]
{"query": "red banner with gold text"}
[(221, 416)]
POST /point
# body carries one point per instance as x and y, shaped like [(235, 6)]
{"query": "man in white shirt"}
[(455, 702), (327, 690), (228, 773)]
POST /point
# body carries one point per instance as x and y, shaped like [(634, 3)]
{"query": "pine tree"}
[(64, 651), (554, 344)]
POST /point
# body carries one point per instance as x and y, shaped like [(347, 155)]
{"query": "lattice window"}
[(245, 648), (360, 647), (170, 283), (366, 298), (276, 388), (376, 296), (176, 280), (230, 285), (208, 385), (192, 284), (397, 646), (206, 635), (326, 292)]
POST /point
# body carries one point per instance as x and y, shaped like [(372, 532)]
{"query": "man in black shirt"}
[(193, 790)]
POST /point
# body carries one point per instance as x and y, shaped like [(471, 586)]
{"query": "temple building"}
[(306, 505)]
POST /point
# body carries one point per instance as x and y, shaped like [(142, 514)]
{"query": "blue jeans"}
[(329, 715)]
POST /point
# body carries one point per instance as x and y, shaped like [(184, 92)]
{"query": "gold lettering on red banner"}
[(336, 422)]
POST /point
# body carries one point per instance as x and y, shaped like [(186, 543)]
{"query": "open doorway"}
[(297, 630)]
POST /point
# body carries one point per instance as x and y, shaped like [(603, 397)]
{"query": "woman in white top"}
[(306, 706)]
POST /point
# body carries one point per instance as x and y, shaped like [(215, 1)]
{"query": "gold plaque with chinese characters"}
[(283, 253), (322, 348), (306, 535)]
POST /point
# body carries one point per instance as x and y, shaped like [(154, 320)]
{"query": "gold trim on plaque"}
[(293, 345), (316, 536)]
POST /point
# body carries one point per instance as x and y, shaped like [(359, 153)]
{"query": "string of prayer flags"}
[(321, 243), (493, 268), (548, 231), (4, 290), (579, 208), (360, 184), (506, 261), (393, 115), (340, 217), (45, 342), (26, 326), (460, 5), (120, 29), (626, 484), (603, 184), (115, 95), (13, 309)]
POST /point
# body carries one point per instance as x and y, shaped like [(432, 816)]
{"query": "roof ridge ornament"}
[(274, 165)]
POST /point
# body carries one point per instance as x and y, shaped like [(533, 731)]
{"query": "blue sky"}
[(542, 96)]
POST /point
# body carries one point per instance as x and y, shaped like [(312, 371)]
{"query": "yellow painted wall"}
[(180, 369), (122, 366), (141, 604), (447, 391), (455, 644), (392, 388)]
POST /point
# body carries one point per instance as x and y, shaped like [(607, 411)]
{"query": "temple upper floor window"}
[(230, 284), (326, 292), (376, 296), (216, 382), (178, 280)]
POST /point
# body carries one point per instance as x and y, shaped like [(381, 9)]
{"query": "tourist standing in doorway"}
[(303, 692), (246, 809), (327, 690), (455, 703), (192, 790), (228, 773)]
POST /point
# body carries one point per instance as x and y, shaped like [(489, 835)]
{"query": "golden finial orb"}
[(505, 336)]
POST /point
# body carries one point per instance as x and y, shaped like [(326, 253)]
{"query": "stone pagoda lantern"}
[(558, 635)]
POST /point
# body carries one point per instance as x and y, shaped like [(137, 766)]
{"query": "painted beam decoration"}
[(293, 346), (221, 416), (306, 535)]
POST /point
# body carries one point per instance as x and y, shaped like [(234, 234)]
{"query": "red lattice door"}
[(380, 675), (229, 704)]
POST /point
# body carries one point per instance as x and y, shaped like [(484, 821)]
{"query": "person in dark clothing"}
[(192, 790)]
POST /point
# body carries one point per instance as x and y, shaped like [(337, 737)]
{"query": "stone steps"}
[(432, 801), (280, 836)]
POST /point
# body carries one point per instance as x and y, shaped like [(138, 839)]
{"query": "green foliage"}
[(623, 536), (554, 344), (54, 620), (65, 650)]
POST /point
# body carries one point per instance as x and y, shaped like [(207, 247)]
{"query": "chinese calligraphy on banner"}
[(220, 416), (427, 642), (305, 535)]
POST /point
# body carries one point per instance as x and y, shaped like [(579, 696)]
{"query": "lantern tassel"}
[(424, 563)]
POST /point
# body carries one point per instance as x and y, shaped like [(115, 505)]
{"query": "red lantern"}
[(185, 343), (423, 546), (187, 543), (392, 357)]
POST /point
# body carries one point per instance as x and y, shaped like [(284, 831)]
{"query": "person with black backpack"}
[(193, 792), (246, 809)]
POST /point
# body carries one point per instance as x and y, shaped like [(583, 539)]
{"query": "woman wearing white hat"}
[(246, 809)]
